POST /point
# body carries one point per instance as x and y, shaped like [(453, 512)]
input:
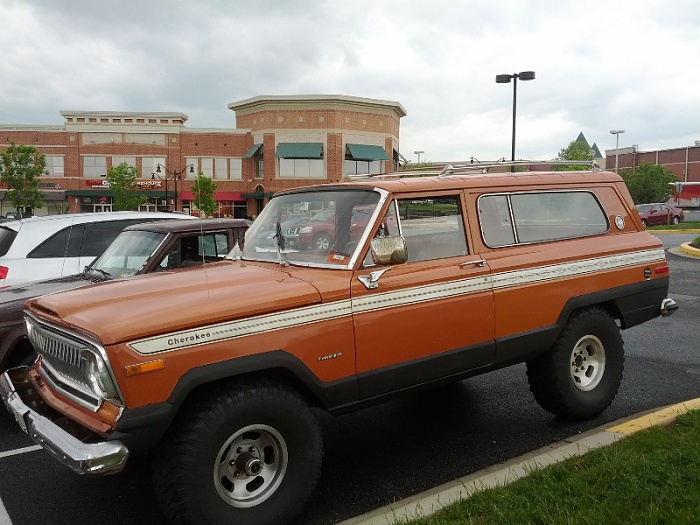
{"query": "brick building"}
[(279, 142), (683, 162)]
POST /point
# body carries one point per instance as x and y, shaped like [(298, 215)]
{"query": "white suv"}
[(56, 245)]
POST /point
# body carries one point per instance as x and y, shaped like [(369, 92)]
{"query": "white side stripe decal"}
[(338, 309)]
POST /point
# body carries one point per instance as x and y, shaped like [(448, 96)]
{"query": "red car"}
[(659, 213), (318, 231)]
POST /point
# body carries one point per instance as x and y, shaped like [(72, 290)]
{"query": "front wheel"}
[(676, 220), (644, 223), (581, 374), (248, 454), (322, 242)]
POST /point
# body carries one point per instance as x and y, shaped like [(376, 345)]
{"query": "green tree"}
[(122, 181), (20, 169), (203, 192), (649, 183), (576, 150)]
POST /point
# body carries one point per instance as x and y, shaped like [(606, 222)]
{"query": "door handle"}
[(371, 280), (478, 262)]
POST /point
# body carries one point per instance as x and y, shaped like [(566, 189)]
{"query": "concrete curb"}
[(687, 249), (431, 501)]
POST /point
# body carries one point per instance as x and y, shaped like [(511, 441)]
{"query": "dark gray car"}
[(139, 249)]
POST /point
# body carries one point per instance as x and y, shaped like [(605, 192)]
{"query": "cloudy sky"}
[(600, 65)]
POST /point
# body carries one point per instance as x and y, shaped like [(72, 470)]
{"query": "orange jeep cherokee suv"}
[(216, 369)]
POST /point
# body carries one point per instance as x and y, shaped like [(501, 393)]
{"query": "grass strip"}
[(651, 477)]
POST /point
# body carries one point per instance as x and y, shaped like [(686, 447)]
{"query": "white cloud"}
[(599, 65)]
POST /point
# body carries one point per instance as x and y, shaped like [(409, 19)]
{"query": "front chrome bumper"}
[(106, 457)]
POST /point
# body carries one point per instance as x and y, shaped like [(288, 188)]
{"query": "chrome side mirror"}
[(389, 250)]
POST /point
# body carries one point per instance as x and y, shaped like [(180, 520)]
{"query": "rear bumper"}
[(668, 306), (98, 458)]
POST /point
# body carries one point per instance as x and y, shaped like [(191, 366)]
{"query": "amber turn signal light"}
[(142, 368)]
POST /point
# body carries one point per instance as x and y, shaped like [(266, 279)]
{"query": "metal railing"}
[(450, 170)]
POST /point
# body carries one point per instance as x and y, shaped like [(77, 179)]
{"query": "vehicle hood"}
[(11, 296), (147, 305)]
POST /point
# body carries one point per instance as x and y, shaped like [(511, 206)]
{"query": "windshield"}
[(127, 254), (314, 228)]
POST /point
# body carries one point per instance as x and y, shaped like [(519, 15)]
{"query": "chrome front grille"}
[(54, 347), (62, 362)]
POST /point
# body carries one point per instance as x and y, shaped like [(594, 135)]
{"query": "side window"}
[(65, 243), (171, 259), (494, 219), (99, 235), (433, 228), (214, 245), (540, 217)]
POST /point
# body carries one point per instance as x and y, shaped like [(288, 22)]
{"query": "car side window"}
[(99, 235), (433, 228), (65, 243), (215, 245), (540, 216)]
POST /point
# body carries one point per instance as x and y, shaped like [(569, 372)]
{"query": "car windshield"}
[(127, 254), (313, 228), (641, 208)]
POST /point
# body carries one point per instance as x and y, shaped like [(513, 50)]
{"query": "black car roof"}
[(180, 226)]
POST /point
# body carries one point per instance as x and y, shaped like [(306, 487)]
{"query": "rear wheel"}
[(581, 374), (249, 455)]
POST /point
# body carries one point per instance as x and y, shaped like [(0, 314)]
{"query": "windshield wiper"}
[(280, 243), (104, 274)]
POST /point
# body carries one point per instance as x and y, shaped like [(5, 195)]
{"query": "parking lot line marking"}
[(15, 452), (4, 516)]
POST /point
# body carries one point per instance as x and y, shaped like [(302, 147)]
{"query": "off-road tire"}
[(580, 376), (199, 473)]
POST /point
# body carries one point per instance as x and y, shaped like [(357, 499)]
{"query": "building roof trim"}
[(268, 101), (124, 114)]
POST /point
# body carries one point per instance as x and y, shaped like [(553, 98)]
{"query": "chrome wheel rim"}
[(250, 466), (323, 242), (587, 363)]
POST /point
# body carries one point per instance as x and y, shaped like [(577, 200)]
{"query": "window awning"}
[(109, 193), (252, 151), (300, 150), (220, 196), (365, 152)]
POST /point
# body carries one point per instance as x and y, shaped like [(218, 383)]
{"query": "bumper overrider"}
[(99, 458)]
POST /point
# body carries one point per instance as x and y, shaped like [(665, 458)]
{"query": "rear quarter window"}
[(525, 218), (65, 243), (7, 236)]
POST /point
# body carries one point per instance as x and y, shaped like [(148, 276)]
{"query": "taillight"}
[(661, 269), (3, 272)]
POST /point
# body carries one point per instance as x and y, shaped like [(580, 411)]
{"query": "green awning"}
[(256, 195), (252, 151), (364, 152), (110, 193), (299, 150)]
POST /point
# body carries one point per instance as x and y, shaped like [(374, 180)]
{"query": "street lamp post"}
[(617, 132), (418, 152), (175, 175), (505, 79)]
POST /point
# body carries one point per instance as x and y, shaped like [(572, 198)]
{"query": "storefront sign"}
[(141, 184)]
